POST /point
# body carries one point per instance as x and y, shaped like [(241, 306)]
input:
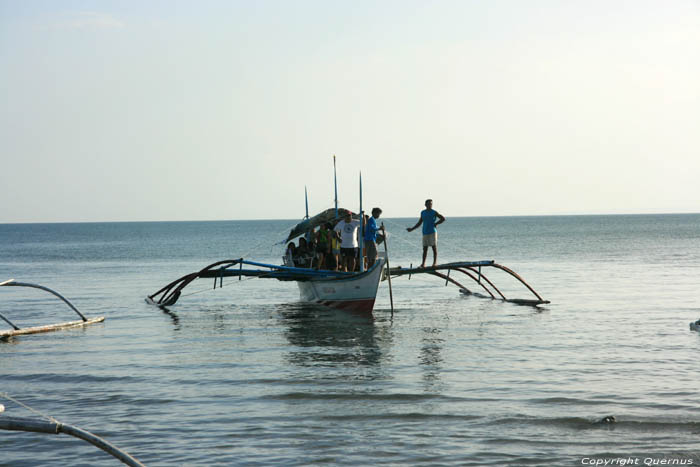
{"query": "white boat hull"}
[(356, 293)]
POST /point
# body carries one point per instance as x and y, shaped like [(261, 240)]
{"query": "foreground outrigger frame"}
[(54, 427), (473, 270)]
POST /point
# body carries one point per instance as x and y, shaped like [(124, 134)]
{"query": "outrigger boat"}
[(350, 291), (17, 331)]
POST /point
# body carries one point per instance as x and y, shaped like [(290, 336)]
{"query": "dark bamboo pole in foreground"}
[(20, 424)]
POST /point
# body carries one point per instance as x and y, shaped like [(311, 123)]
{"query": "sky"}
[(215, 110)]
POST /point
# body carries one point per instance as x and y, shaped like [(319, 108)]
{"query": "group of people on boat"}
[(336, 248)]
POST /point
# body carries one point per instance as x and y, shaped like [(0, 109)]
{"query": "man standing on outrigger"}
[(427, 218)]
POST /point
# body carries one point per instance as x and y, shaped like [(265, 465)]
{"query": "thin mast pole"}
[(335, 182), (306, 199), (362, 230)]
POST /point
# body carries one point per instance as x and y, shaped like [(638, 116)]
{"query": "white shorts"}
[(430, 239)]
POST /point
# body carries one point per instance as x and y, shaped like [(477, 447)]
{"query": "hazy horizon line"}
[(385, 217)]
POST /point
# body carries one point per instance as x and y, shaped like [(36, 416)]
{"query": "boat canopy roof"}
[(319, 219)]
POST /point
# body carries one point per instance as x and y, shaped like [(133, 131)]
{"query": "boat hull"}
[(356, 294)]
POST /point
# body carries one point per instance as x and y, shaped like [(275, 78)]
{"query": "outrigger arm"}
[(16, 330), (169, 294), (472, 269)]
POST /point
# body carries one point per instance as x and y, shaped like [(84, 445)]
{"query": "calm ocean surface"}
[(244, 375)]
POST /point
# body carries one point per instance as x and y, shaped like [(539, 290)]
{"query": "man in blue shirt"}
[(370, 238), (428, 218)]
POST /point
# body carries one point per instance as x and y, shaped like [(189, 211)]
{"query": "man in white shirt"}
[(348, 230)]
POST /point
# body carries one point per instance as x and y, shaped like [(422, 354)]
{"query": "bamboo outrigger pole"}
[(13, 282), (55, 427), (20, 424), (388, 270)]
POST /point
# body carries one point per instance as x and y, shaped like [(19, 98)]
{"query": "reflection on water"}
[(326, 337), (430, 358), (173, 316)]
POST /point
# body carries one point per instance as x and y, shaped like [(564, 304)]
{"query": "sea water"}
[(245, 375)]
